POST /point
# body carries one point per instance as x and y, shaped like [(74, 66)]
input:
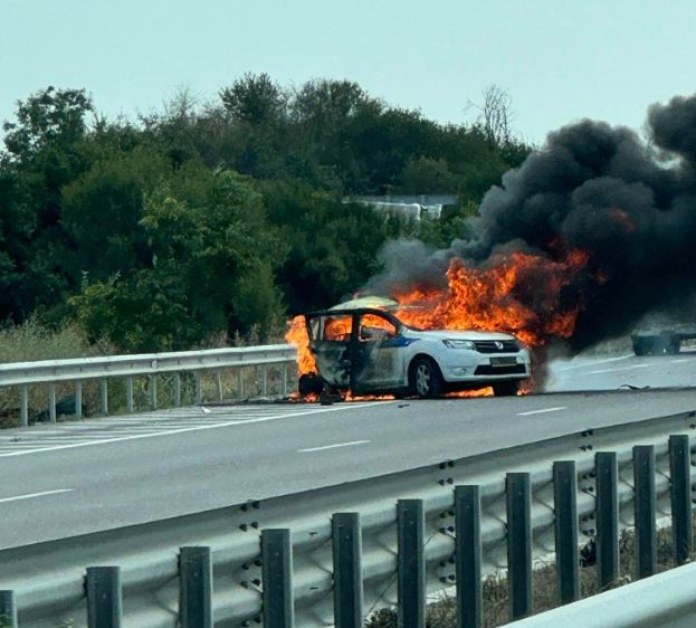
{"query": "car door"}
[(377, 356), (329, 342)]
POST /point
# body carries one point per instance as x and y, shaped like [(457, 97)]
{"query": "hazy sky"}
[(559, 60)]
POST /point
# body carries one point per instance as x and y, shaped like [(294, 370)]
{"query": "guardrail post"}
[(24, 406), (218, 385), (104, 599), (646, 526), (52, 403), (467, 513), (129, 395), (8, 610), (104, 388), (177, 390), (78, 400), (347, 570), (196, 577), (264, 381), (240, 383), (680, 494), (199, 388), (606, 469), (566, 530), (518, 492), (276, 573), (153, 391), (411, 563)]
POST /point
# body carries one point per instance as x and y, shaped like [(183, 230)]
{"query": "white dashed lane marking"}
[(335, 446), (17, 498), (119, 429), (542, 411)]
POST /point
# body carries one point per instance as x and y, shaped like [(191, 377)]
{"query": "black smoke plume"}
[(629, 203)]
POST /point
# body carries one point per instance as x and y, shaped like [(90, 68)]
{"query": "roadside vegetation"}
[(545, 596), (211, 223)]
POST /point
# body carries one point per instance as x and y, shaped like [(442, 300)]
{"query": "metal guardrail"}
[(305, 559), (128, 367), (666, 600)]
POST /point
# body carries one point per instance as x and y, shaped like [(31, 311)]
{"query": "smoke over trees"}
[(630, 204)]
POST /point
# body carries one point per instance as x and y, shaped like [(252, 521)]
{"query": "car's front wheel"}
[(506, 389), (425, 378)]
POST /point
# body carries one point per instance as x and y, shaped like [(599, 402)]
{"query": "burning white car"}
[(368, 350)]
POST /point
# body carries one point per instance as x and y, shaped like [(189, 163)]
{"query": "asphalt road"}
[(76, 477)]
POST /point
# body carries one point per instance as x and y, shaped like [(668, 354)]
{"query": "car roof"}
[(349, 312)]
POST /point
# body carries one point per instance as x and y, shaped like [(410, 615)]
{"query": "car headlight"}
[(459, 344)]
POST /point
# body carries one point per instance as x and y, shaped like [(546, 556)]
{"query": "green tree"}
[(214, 258), (102, 210), (43, 152)]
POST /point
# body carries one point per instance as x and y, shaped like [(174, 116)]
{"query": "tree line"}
[(219, 220)]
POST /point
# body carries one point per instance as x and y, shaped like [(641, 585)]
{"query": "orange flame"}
[(518, 293)]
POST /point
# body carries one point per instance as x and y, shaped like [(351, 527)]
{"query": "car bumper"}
[(472, 368)]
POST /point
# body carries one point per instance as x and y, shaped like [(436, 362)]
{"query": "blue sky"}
[(559, 60)]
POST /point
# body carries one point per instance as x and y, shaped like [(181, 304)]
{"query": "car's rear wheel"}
[(425, 378), (506, 389)]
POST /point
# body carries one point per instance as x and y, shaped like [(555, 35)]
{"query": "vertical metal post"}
[(645, 502), (606, 468), (467, 513), (264, 381), (218, 384), (8, 610), (104, 386), (240, 383), (566, 530), (199, 388), (78, 399), (411, 563), (285, 380), (196, 585), (52, 403), (104, 599), (153, 392), (129, 395), (276, 570), (347, 570), (680, 494), (519, 543), (177, 390), (24, 406)]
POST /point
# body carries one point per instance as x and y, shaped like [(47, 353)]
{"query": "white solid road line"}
[(543, 411), (183, 430), (17, 498), (348, 444)]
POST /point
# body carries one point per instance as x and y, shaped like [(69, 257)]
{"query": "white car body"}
[(370, 351)]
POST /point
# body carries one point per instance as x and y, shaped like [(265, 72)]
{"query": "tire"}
[(506, 389), (310, 384), (425, 378)]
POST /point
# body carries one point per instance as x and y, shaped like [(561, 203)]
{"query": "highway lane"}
[(622, 370), (80, 477)]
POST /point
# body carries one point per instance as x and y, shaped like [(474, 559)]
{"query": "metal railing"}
[(333, 555), (50, 373), (666, 600)]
